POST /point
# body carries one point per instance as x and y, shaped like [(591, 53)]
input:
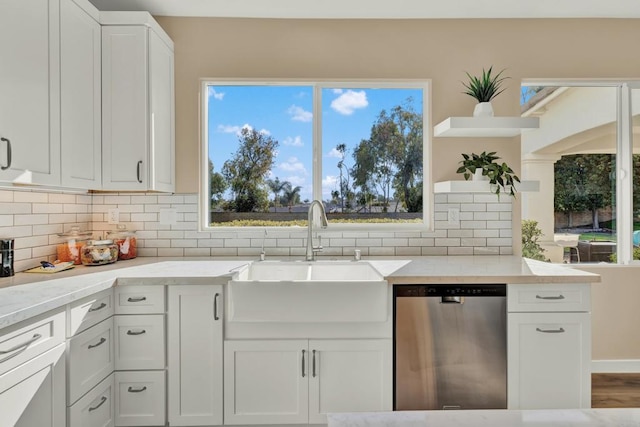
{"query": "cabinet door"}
[(140, 398), (30, 88), (349, 376), (33, 393), (139, 342), (195, 355), (80, 97), (124, 107), (549, 359), (96, 408), (162, 170), (266, 382)]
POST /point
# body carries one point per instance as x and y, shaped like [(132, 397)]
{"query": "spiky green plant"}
[(485, 87)]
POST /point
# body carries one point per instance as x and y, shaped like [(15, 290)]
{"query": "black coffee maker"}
[(6, 253)]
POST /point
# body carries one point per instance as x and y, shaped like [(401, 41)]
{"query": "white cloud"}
[(293, 142), (293, 164), (337, 91), (350, 101), (334, 153), (238, 129), (297, 180), (214, 94), (330, 181), (299, 114)]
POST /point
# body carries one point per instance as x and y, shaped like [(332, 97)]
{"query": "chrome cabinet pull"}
[(8, 154), (313, 365), (102, 341), (558, 297), (102, 400), (303, 373), (136, 299), (551, 331), (215, 307), (100, 307), (138, 171), (130, 332), (22, 347), (136, 390)]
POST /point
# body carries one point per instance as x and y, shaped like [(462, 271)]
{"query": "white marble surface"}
[(26, 295), (624, 417)]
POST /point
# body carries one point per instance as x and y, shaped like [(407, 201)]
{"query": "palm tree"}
[(276, 187), (291, 194)]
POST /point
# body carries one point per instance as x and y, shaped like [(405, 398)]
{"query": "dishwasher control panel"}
[(447, 290)]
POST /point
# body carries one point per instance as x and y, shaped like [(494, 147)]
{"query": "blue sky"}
[(285, 113)]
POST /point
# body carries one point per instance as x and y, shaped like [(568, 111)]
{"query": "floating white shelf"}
[(479, 187), (485, 126)]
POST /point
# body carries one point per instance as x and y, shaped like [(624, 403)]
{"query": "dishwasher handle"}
[(451, 300)]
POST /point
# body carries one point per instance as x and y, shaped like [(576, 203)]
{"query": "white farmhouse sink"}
[(318, 291)]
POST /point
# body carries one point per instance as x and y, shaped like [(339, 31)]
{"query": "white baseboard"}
[(615, 366)]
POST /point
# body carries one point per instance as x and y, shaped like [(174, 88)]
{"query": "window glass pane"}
[(372, 154), (260, 154), (635, 121), (573, 152)]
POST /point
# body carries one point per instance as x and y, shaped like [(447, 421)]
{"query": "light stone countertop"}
[(619, 417), (28, 294)]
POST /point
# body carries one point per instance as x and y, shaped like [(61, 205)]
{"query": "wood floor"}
[(615, 390)]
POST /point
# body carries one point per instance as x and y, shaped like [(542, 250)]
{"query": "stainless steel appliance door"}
[(450, 355)]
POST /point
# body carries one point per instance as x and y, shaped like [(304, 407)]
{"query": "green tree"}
[(345, 182), (247, 171), (291, 195), (584, 181), (276, 186), (217, 186), (530, 246)]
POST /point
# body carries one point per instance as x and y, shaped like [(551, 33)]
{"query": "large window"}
[(271, 149)]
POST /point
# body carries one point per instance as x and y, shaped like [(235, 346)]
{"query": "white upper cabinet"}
[(80, 96), (137, 106), (30, 92)]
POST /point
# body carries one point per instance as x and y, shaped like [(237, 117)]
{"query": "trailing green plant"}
[(530, 246), (500, 175), (636, 255), (486, 87)]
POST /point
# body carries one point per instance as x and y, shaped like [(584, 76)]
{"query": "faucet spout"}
[(311, 249)]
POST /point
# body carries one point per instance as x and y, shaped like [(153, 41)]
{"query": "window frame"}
[(317, 86), (624, 156)]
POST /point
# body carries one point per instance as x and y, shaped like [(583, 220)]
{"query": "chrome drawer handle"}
[(136, 299), (130, 332), (102, 341), (100, 307), (102, 400), (558, 297), (551, 331), (136, 390), (22, 347)]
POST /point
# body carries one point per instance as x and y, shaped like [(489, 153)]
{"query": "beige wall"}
[(615, 315), (440, 50)]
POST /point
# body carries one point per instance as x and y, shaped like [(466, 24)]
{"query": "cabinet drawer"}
[(25, 340), (89, 311), (555, 297), (139, 342), (139, 299), (90, 358), (140, 398), (95, 409)]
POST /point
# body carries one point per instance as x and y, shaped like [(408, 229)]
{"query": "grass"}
[(604, 236)]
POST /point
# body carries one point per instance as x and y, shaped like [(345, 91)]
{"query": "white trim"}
[(615, 366), (317, 87)]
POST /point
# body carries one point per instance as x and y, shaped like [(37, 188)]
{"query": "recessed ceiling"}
[(394, 9)]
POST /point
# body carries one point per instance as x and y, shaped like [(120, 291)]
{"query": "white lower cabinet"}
[(33, 393), (139, 342), (194, 320), (96, 408), (549, 360), (299, 381), (139, 398)]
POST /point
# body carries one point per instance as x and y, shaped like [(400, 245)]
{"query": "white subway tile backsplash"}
[(35, 218)]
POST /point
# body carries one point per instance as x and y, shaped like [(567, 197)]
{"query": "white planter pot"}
[(477, 175), (483, 109)]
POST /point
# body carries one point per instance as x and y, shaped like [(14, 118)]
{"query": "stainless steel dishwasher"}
[(450, 347)]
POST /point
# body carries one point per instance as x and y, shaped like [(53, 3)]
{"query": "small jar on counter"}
[(99, 252), (70, 249), (126, 241)]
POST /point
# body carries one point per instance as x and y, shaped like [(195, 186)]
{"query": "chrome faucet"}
[(312, 250)]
